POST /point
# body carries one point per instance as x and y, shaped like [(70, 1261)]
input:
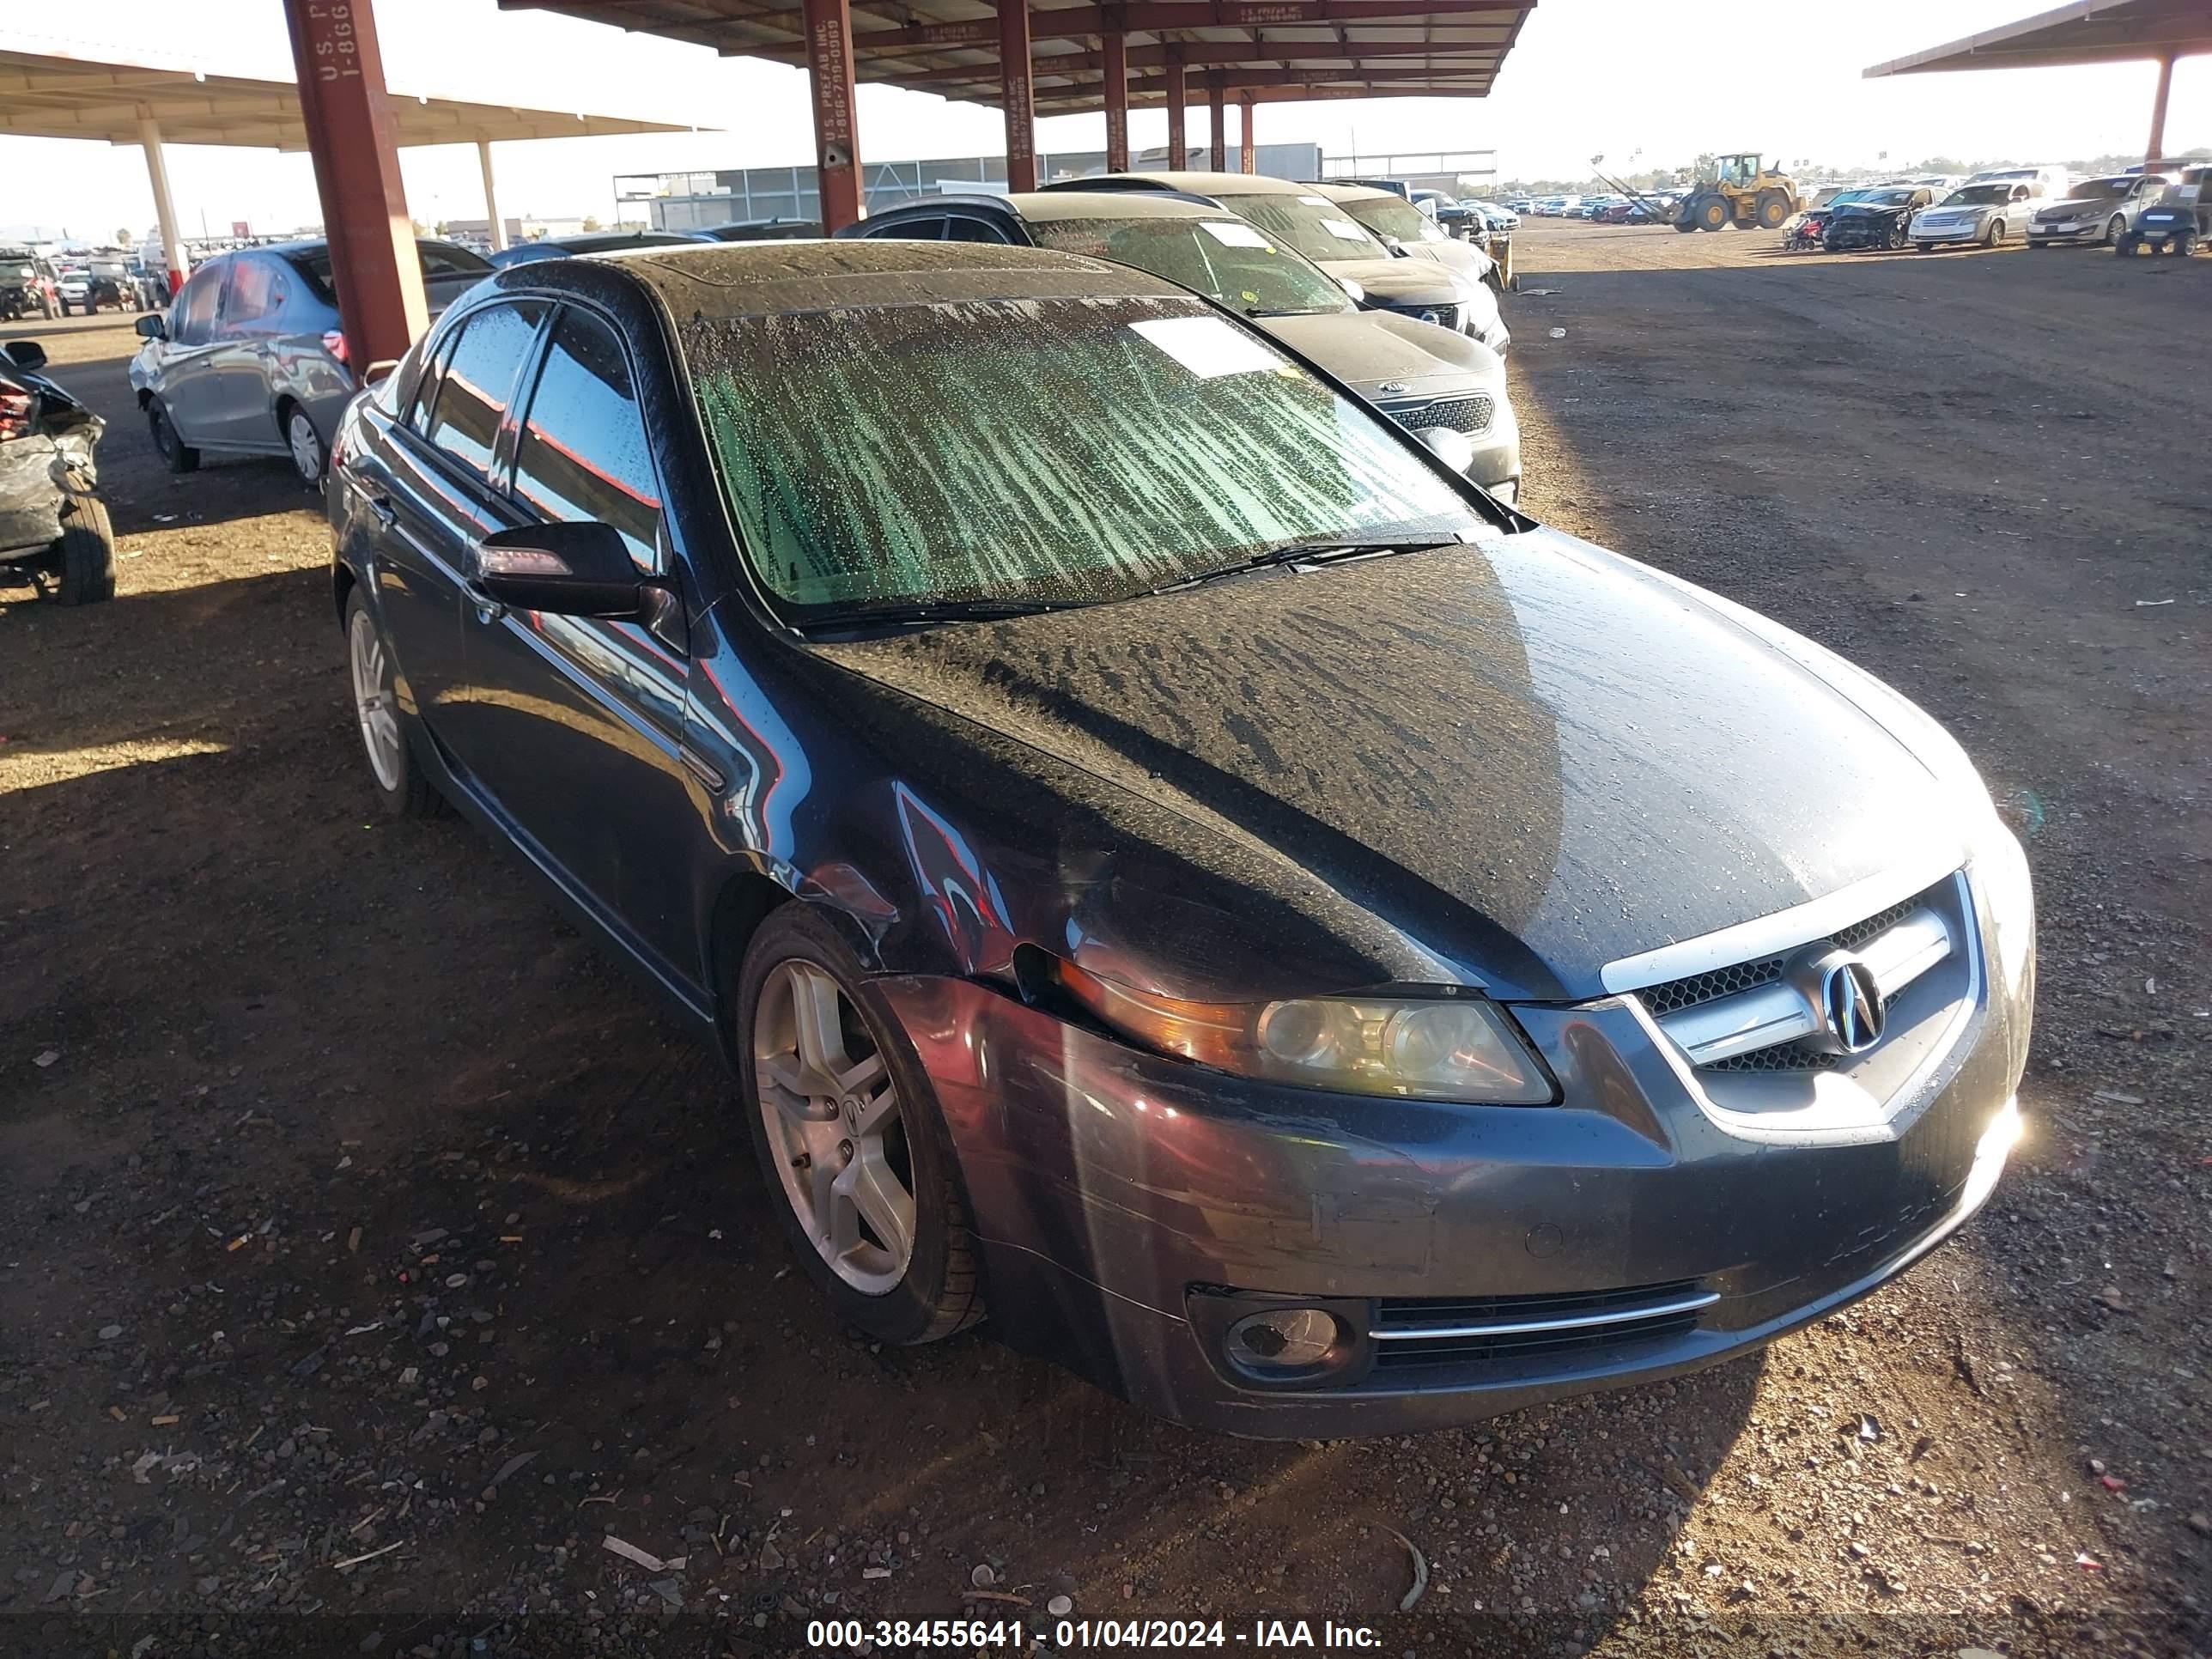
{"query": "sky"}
[(1639, 82)]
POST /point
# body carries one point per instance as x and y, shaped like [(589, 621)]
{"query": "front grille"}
[(1680, 994), (1469, 414), (1460, 1331), (1442, 316)]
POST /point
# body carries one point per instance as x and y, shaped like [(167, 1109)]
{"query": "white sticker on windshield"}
[(1233, 233), (1315, 201), (1344, 230), (1208, 347)]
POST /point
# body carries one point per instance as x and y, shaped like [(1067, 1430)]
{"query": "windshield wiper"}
[(940, 610), (1314, 549)]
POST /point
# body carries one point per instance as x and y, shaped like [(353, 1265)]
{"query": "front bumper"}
[(2083, 230), (1121, 1199), (1968, 232)]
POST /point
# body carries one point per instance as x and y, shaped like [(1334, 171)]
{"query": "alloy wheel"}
[(373, 699), (832, 1116)]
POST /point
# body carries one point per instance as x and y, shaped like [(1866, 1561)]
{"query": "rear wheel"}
[(306, 445), (176, 454), (86, 555), (1773, 207), (849, 1137), (402, 790)]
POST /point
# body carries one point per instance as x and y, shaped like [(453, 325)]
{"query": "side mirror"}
[(27, 355), (1452, 449), (152, 327), (580, 568)]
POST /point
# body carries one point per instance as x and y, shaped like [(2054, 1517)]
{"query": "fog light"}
[(1283, 1339)]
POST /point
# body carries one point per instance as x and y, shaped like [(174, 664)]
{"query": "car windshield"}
[(1226, 259), (1056, 451), (1389, 216), (16, 271), (2102, 190), (1314, 225), (1977, 195), (1885, 197)]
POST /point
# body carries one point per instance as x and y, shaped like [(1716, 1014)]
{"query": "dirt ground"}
[(370, 1251)]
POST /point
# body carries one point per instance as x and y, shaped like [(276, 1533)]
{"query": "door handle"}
[(386, 515)]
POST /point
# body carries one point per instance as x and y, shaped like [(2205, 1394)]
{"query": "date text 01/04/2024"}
[(968, 1635)]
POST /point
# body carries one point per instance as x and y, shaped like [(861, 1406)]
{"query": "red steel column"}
[(1178, 150), (836, 139), (2158, 111), (1014, 91), (1245, 148), (350, 135), (1115, 50), (1220, 162)]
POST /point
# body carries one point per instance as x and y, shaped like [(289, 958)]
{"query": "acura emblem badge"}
[(1851, 1005)]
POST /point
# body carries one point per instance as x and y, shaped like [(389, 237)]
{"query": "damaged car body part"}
[(54, 529), (1169, 863)]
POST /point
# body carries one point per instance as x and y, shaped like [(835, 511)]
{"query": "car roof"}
[(1208, 184), (1347, 194), (771, 278), (1069, 202)]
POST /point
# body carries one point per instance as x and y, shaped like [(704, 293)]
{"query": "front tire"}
[(85, 553), (2114, 230), (1994, 234), (2183, 243), (851, 1145), (176, 454), (1710, 212), (402, 790)]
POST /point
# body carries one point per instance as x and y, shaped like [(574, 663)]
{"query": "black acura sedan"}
[(1170, 865), (1874, 218)]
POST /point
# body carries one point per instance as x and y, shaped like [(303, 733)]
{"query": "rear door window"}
[(472, 395), (916, 227), (195, 305), (583, 453), (961, 227)]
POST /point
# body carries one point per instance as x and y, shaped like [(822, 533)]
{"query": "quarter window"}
[(961, 229), (479, 384), (584, 452)]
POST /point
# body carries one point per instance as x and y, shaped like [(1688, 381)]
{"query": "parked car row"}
[(1148, 835), (2043, 206)]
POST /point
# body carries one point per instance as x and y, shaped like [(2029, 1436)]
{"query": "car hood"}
[(1528, 758), (1465, 258), (1367, 349), (1403, 282), (2079, 205)]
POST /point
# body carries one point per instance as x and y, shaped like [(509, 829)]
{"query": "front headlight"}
[(1462, 1048)]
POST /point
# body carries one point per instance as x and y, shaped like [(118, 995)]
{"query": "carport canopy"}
[(1063, 58), (2085, 31), (48, 94)]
